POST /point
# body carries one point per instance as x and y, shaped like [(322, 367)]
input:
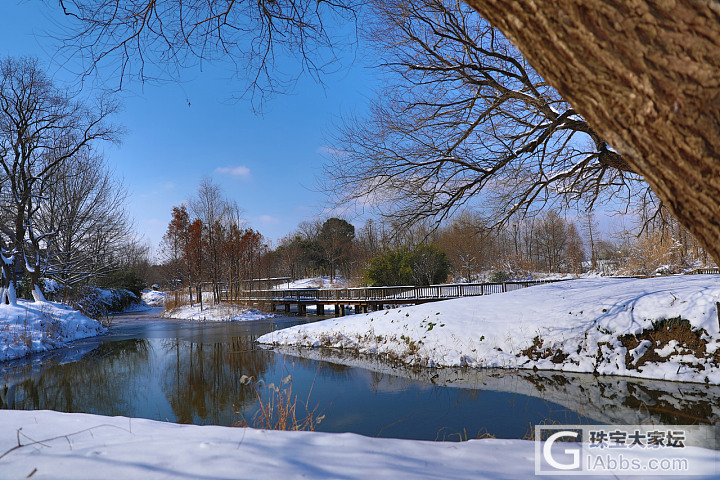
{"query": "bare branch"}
[(464, 121), (156, 39)]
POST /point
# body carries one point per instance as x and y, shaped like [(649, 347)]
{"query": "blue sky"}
[(179, 132)]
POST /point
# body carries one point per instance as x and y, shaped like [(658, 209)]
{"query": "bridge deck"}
[(376, 297)]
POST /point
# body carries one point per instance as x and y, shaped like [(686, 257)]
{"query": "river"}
[(214, 372)]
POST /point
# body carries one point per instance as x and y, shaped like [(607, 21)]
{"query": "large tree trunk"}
[(646, 76)]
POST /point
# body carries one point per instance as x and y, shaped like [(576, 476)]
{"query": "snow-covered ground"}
[(39, 326), (44, 444), (223, 312), (585, 325), (315, 282), (153, 298)]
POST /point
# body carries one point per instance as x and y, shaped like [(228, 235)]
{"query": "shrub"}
[(424, 265), (124, 280), (97, 302), (500, 277)]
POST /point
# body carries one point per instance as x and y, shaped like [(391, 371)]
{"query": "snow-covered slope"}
[(586, 325), (222, 312), (314, 282), (153, 298), (39, 326)]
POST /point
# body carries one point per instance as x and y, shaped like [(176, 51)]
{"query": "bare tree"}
[(212, 208), (590, 227), (151, 39), (467, 248), (646, 76), (41, 128), (85, 205), (336, 237), (551, 239), (465, 120), (575, 251)]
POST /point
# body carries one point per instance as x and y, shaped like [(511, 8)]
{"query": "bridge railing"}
[(389, 293), (705, 271)]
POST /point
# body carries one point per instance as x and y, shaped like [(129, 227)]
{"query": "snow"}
[(579, 323), (40, 326), (153, 298), (51, 285), (479, 331), (222, 312), (149, 299), (314, 282), (81, 446)]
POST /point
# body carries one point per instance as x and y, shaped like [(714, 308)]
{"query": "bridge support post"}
[(337, 310), (302, 309), (357, 309), (287, 308), (320, 309)]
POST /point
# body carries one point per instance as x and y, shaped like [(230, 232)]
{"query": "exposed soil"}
[(689, 342), (537, 352)]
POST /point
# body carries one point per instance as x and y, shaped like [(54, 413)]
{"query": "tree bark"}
[(646, 76)]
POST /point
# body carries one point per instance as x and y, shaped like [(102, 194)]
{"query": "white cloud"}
[(268, 220), (240, 171)]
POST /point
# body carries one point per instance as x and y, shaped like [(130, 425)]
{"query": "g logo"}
[(573, 452)]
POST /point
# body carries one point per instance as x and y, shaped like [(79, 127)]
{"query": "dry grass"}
[(446, 435), (277, 408), (172, 301), (51, 325)]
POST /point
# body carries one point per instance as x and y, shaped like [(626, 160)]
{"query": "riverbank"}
[(30, 327), (664, 328), (46, 444), (222, 312), (209, 312)]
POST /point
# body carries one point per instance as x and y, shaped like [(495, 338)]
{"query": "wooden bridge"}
[(374, 298)]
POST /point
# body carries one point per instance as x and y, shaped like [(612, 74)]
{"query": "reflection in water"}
[(102, 382), (191, 373), (202, 381), (606, 399), (169, 379)]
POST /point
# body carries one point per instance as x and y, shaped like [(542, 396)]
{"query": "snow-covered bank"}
[(78, 446), (222, 312), (39, 326), (153, 298), (607, 326), (149, 299), (313, 282)]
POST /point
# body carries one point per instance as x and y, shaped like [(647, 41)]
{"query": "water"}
[(189, 372)]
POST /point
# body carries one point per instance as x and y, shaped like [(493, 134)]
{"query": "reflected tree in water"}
[(102, 382), (202, 380)]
